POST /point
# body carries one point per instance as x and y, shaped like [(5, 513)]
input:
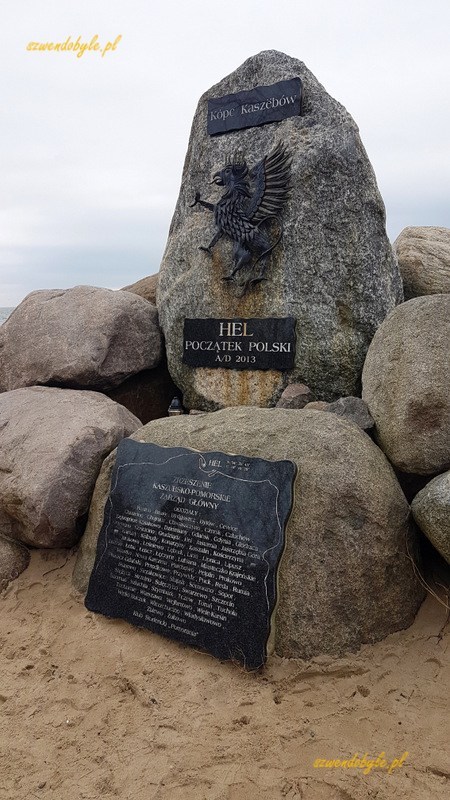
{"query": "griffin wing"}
[(271, 180)]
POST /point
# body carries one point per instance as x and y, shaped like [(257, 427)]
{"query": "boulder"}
[(145, 288), (80, 337), (424, 260), (148, 394), (333, 270), (296, 395), (14, 559), (52, 444), (431, 510), (406, 385), (346, 576), (354, 409)]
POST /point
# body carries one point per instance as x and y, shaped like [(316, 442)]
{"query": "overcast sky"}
[(92, 148)]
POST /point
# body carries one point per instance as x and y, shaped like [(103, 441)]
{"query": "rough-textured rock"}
[(14, 559), (296, 395), (431, 510), (406, 385), (424, 260), (52, 444), (345, 577), (333, 271), (354, 410), (148, 394), (145, 288), (80, 337)]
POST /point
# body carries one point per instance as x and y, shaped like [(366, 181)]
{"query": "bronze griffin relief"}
[(249, 212)]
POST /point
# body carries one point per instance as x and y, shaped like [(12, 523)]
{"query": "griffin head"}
[(233, 175)]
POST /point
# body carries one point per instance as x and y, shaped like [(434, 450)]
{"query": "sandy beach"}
[(95, 708)]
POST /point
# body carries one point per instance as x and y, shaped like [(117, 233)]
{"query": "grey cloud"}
[(92, 149)]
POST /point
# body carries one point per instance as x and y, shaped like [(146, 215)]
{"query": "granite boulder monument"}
[(279, 222)]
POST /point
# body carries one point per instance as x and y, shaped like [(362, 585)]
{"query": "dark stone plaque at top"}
[(252, 343), (190, 546), (255, 107)]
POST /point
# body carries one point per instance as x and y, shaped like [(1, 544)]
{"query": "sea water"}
[(4, 314)]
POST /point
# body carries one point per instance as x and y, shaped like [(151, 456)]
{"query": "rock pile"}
[(53, 440), (349, 572)]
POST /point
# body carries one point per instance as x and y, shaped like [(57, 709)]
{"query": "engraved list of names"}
[(190, 546)]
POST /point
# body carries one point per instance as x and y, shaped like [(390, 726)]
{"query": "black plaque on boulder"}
[(190, 545), (255, 107), (240, 343)]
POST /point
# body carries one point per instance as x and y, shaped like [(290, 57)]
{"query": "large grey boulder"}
[(431, 509), (424, 260), (14, 559), (333, 271), (406, 385), (346, 576), (52, 444), (83, 337)]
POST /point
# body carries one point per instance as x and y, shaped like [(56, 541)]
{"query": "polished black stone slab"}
[(267, 343), (190, 546), (255, 107)]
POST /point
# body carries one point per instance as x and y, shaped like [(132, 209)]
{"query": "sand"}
[(94, 708)]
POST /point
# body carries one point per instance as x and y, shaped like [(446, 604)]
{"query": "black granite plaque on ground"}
[(190, 546), (255, 107), (240, 343)]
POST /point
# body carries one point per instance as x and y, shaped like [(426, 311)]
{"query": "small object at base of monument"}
[(175, 408), (267, 343), (190, 546), (258, 106)]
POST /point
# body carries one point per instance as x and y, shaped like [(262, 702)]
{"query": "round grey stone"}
[(346, 576), (406, 385), (431, 510)]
